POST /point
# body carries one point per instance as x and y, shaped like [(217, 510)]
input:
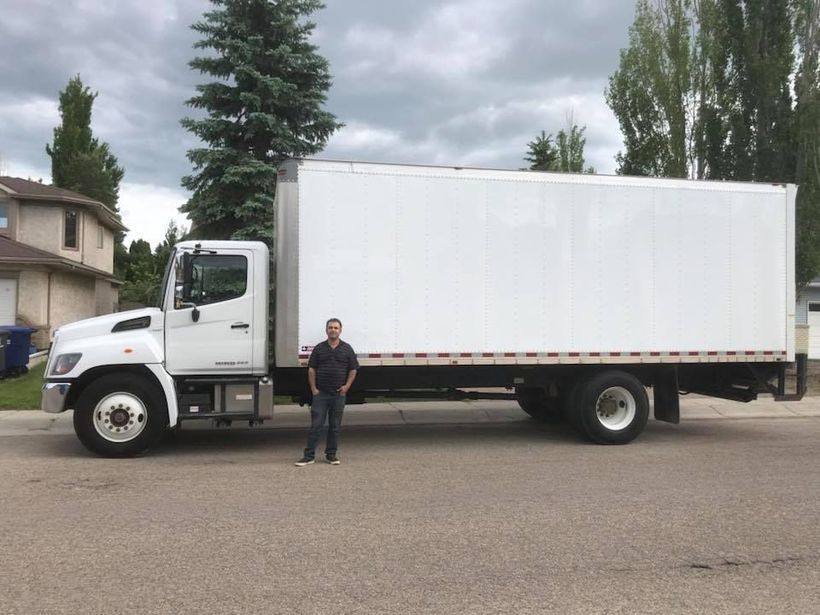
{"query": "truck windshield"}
[(163, 289)]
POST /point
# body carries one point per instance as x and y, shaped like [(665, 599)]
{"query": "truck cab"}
[(203, 353)]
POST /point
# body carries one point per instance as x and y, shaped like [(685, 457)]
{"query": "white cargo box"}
[(439, 265)]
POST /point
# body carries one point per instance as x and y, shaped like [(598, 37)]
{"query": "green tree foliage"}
[(542, 154), (564, 153), (143, 273), (79, 162), (751, 64), (713, 89), (264, 105), (807, 88), (651, 92)]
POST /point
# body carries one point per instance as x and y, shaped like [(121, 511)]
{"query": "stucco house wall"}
[(75, 297), (42, 227), (33, 303)]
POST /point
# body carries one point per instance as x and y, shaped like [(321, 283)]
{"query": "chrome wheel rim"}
[(120, 417)]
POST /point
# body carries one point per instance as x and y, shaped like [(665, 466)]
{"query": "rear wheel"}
[(535, 402), (120, 415), (610, 407)]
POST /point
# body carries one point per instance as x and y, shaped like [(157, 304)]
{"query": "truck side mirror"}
[(194, 312)]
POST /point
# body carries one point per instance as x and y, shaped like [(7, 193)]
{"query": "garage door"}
[(8, 301), (814, 330)]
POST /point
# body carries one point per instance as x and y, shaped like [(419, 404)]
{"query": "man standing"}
[(331, 372)]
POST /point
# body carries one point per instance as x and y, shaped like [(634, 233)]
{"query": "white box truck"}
[(573, 292)]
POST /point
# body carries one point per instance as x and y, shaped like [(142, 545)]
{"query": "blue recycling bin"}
[(17, 348)]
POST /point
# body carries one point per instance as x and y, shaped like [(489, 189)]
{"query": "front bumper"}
[(53, 396)]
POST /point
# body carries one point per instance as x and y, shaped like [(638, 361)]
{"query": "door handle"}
[(240, 325)]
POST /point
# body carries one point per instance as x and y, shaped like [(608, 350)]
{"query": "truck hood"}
[(102, 325)]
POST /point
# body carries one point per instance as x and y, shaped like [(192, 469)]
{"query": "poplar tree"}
[(564, 153), (749, 104), (807, 89), (80, 162), (264, 104), (651, 93)]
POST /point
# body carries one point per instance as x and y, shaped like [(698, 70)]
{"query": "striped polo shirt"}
[(332, 365)]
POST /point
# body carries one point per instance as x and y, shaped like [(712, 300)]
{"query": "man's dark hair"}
[(330, 320)]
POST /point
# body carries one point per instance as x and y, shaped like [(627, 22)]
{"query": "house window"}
[(100, 236), (4, 216), (71, 230)]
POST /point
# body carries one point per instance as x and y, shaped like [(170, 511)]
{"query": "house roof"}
[(26, 190), (19, 254)]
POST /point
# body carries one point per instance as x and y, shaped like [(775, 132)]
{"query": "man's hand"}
[(314, 391), (342, 390)]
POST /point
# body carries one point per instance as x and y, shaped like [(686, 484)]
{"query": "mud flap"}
[(667, 402)]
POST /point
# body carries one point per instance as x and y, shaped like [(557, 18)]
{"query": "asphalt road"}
[(705, 517)]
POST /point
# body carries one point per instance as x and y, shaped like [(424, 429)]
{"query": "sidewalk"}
[(34, 422)]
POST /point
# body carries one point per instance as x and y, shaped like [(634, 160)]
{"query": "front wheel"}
[(610, 408), (120, 415)]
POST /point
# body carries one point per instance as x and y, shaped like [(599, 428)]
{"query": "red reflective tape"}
[(712, 353), (487, 354), (374, 355), (509, 354), (397, 355), (750, 352), (654, 354), (614, 354), (465, 355), (421, 355), (768, 352), (574, 354), (674, 353), (532, 354), (443, 355), (552, 354), (634, 354)]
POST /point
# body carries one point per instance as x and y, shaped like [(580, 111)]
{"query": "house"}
[(808, 313), (56, 257)]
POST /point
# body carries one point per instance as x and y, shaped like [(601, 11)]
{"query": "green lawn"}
[(22, 392)]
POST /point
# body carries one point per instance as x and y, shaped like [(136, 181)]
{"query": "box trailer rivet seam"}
[(571, 294)]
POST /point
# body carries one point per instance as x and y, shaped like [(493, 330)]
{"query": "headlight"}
[(65, 363)]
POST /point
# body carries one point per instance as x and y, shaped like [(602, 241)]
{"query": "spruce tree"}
[(264, 105)]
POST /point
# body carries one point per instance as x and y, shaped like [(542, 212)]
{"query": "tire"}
[(609, 408), (536, 403), (120, 415)]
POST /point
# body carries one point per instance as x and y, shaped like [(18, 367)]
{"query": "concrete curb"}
[(34, 422)]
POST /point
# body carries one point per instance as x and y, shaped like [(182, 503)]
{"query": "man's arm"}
[(312, 381), (351, 376)]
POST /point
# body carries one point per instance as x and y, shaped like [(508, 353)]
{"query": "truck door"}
[(209, 325)]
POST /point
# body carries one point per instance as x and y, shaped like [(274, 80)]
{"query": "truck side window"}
[(215, 278)]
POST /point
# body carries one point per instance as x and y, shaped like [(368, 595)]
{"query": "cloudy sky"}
[(464, 82)]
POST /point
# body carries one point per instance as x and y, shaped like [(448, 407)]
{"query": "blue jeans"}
[(326, 407)]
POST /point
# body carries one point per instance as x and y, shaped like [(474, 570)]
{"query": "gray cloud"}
[(462, 82)]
